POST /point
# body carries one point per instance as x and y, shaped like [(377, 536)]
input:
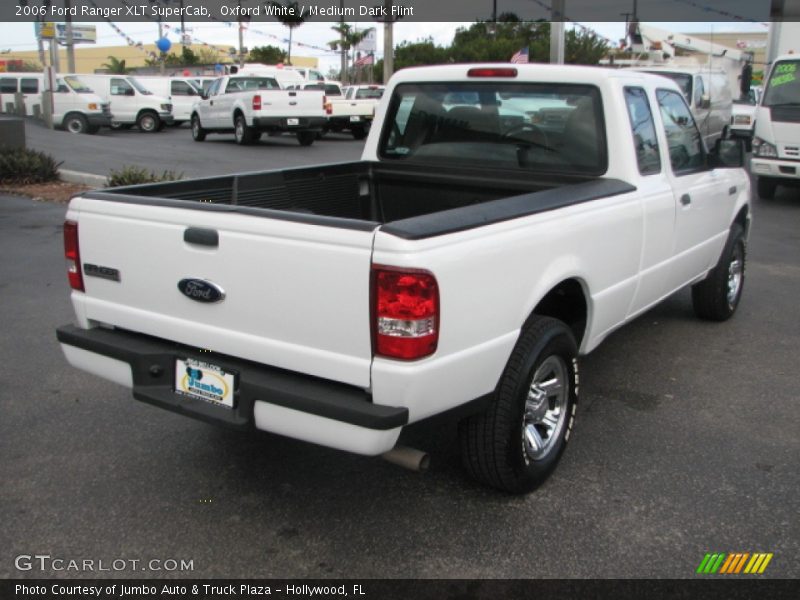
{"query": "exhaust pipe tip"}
[(408, 458)]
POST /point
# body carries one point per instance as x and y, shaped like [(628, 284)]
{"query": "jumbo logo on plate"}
[(201, 290)]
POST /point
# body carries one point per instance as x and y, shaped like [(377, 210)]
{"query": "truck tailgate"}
[(296, 295), (301, 103)]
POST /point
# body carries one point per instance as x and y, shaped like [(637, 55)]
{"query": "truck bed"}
[(409, 201)]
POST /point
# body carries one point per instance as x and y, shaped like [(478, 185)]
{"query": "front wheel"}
[(717, 296), (198, 133), (148, 122), (766, 188), (306, 138), (517, 442), (76, 123)]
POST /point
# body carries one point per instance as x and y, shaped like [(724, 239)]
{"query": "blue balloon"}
[(164, 44)]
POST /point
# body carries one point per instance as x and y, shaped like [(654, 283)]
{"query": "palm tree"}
[(349, 39), (289, 15), (116, 66)]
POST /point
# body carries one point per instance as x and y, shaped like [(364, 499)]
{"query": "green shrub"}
[(27, 166), (130, 175)]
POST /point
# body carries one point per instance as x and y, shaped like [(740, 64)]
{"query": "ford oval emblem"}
[(201, 290)]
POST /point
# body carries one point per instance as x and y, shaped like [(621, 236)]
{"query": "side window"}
[(29, 86), (699, 91), (120, 87), (686, 151), (8, 85), (644, 131), (214, 89), (181, 88)]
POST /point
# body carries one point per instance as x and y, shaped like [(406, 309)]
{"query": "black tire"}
[(359, 133), (717, 296), (306, 138), (241, 132), (766, 188), (494, 444), (198, 133), (92, 129), (148, 122), (76, 123)]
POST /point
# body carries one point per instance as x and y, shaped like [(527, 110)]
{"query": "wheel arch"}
[(146, 110), (568, 301), (743, 218)]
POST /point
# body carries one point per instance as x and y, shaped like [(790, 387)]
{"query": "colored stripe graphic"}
[(734, 563)]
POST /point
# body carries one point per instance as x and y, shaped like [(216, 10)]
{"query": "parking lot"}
[(686, 440)]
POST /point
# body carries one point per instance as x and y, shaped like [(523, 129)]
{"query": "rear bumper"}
[(348, 122), (282, 123), (283, 402)]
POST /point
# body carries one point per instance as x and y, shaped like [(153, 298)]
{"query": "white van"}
[(182, 93), (307, 73), (131, 102), (75, 107), (708, 93), (776, 140)]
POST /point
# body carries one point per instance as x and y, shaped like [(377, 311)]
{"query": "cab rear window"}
[(537, 126)]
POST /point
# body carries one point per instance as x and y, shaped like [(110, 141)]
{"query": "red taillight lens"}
[(491, 72), (327, 106), (405, 313), (257, 102), (73, 255)]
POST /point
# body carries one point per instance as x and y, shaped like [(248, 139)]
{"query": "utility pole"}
[(557, 32), (241, 35), (70, 43), (343, 55)]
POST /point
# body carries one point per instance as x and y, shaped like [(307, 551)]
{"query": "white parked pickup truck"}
[(503, 220), (249, 105), (345, 114)]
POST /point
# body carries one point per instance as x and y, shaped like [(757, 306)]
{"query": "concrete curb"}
[(83, 178)]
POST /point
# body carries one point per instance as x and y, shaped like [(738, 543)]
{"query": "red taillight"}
[(257, 102), (327, 106), (492, 72), (405, 313), (73, 255)]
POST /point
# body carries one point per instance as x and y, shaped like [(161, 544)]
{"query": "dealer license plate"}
[(199, 379), (355, 119), (293, 121)]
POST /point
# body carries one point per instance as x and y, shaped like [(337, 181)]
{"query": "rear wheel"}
[(517, 442), (76, 123), (306, 138), (148, 122), (241, 132), (717, 296), (359, 133), (766, 188), (198, 133)]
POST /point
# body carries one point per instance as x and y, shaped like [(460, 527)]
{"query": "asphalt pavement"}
[(686, 440), (173, 149)]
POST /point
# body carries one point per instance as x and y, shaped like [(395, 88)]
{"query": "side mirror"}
[(203, 97), (705, 101), (728, 154), (130, 92)]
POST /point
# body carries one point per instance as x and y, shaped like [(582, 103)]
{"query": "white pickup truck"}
[(345, 114), (250, 105), (504, 219)]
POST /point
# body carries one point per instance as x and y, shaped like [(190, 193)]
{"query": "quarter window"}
[(686, 151), (644, 131)]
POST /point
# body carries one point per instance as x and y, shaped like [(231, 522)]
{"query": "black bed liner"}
[(408, 201)]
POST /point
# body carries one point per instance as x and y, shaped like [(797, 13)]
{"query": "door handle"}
[(201, 237), (686, 200)]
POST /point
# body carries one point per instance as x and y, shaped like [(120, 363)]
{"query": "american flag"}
[(365, 60), (521, 56)]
